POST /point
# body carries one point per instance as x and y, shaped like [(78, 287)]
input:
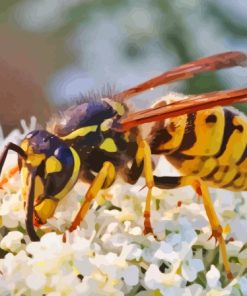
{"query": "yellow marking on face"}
[(24, 182), (52, 165), (24, 145), (74, 176), (32, 158), (35, 159), (46, 208), (108, 145), (80, 132), (38, 187)]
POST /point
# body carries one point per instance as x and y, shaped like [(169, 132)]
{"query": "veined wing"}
[(191, 104), (186, 71)]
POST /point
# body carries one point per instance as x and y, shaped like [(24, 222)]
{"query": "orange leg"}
[(202, 190), (144, 154), (4, 180), (104, 179)]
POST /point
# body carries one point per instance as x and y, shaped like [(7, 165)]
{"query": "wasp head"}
[(52, 167)]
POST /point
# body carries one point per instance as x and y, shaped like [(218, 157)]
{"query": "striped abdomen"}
[(211, 144)]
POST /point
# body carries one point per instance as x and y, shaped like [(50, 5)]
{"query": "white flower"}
[(12, 211), (12, 241), (167, 284), (131, 275), (54, 294), (11, 263), (109, 255), (238, 227), (193, 290), (84, 266), (36, 280), (243, 285), (242, 257), (166, 252), (213, 277), (135, 253), (190, 268)]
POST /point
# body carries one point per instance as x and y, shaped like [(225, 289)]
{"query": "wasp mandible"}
[(98, 138)]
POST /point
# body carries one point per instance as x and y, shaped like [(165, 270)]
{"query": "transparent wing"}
[(186, 71), (190, 104)]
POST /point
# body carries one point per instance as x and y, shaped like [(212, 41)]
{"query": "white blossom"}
[(213, 276), (190, 269), (12, 241), (108, 253)]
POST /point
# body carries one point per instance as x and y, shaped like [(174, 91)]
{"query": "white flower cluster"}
[(109, 255)]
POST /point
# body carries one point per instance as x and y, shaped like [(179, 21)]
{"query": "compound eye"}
[(64, 155)]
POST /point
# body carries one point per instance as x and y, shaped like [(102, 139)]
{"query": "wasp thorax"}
[(84, 114)]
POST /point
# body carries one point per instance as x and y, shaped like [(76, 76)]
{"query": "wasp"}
[(97, 139)]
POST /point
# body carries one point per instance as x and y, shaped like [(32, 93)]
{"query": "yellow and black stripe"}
[(210, 144)]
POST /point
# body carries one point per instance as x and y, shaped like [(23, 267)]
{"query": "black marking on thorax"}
[(92, 156)]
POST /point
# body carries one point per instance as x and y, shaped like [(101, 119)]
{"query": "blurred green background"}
[(54, 50)]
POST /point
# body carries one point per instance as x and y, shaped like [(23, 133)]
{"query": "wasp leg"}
[(4, 180), (133, 174), (104, 179), (202, 190), (143, 155)]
